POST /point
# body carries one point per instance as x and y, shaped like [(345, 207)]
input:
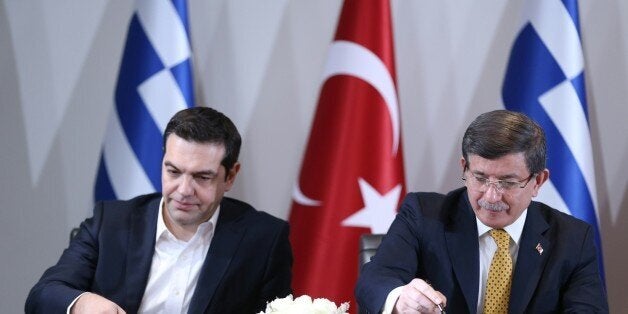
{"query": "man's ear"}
[(463, 163), (538, 181), (231, 175)]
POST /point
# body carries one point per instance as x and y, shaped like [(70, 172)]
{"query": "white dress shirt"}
[(176, 267), (488, 246)]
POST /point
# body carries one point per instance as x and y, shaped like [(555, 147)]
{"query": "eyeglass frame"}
[(498, 184)]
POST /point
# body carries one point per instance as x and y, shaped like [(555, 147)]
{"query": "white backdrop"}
[(260, 62)]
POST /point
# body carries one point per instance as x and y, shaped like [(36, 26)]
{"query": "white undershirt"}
[(488, 246), (176, 267)]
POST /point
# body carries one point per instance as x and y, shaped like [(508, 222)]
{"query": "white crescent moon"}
[(301, 199), (349, 58)]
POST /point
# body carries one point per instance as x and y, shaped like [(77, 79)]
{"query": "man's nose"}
[(492, 194), (185, 186)]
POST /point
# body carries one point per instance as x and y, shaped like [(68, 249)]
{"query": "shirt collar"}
[(514, 229), (203, 228)]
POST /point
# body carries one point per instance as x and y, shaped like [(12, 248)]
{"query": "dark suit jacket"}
[(248, 263), (434, 237)]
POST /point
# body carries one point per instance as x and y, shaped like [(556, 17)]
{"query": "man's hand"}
[(93, 303), (419, 297)]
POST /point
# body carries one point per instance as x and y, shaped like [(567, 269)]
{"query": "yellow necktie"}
[(499, 275)]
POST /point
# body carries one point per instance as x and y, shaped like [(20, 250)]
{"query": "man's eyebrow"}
[(210, 173), (169, 164), (478, 172)]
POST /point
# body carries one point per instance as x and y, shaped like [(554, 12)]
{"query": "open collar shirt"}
[(175, 267)]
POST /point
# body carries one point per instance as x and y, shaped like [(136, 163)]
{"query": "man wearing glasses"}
[(487, 247)]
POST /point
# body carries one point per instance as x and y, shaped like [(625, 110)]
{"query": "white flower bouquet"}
[(304, 305)]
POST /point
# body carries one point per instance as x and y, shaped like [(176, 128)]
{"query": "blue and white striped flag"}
[(154, 82), (545, 80)]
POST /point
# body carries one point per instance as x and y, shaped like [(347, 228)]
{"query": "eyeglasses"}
[(481, 184)]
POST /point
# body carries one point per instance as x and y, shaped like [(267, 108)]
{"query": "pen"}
[(440, 308)]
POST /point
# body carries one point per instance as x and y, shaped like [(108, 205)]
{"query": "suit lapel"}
[(220, 254), (141, 246), (463, 247), (534, 251)]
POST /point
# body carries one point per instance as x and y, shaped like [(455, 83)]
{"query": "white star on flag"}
[(379, 210)]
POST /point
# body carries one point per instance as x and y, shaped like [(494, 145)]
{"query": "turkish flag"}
[(352, 177)]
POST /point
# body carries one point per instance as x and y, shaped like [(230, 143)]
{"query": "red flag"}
[(352, 175)]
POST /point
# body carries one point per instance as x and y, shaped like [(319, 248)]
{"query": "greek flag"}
[(545, 80), (154, 82)]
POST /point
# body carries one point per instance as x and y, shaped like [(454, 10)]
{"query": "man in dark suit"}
[(188, 249), (447, 250)]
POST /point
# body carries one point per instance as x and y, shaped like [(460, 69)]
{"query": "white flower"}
[(304, 305)]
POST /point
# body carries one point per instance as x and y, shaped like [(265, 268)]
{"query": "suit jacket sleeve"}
[(396, 262), (73, 273)]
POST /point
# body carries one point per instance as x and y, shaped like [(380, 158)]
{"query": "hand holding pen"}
[(419, 296)]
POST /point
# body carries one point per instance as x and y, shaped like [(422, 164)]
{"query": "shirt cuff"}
[(72, 304), (391, 300)]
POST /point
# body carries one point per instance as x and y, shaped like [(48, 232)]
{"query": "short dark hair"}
[(498, 133), (206, 125)]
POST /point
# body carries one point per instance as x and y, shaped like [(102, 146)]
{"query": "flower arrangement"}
[(305, 305)]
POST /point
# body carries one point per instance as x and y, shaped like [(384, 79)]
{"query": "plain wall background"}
[(260, 62)]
